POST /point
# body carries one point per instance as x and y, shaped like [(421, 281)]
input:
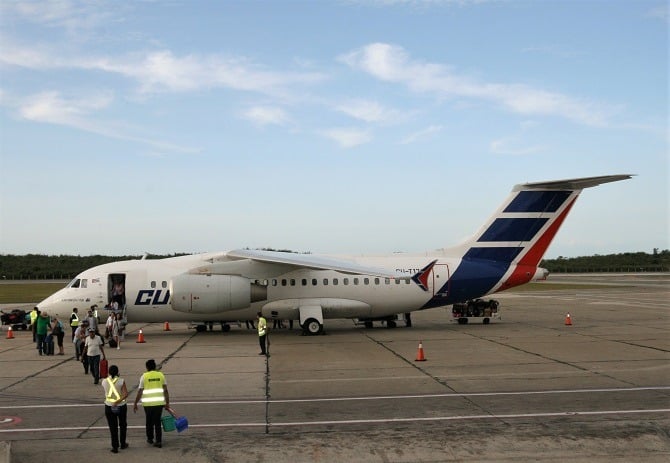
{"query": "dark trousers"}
[(94, 366), (41, 346), (153, 422), (262, 340), (116, 422)]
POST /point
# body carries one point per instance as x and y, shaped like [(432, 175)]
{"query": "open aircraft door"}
[(439, 283)]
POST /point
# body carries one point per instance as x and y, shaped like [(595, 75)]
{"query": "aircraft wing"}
[(311, 261)]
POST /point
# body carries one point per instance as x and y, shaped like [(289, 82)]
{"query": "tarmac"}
[(526, 388)]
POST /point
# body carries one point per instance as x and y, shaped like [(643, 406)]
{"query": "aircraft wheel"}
[(485, 321), (312, 326), (462, 321), (225, 327), (390, 324), (201, 328), (368, 325)]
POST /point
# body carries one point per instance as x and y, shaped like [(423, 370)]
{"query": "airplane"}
[(234, 285)]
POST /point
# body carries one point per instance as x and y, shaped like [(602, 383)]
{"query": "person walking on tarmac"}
[(33, 318), (154, 394), (94, 349), (74, 321), (262, 334), (116, 409)]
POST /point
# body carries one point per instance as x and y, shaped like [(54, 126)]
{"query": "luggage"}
[(103, 368), (49, 345), (112, 343)]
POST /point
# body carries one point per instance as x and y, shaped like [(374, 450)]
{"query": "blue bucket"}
[(181, 424)]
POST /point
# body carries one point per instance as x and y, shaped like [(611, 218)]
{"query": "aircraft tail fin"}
[(522, 229)]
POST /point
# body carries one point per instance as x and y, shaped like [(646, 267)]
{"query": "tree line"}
[(64, 267), (657, 261)]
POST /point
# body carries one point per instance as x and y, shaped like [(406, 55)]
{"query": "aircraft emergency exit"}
[(234, 285)]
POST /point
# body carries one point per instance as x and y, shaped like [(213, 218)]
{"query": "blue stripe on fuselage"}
[(479, 271)]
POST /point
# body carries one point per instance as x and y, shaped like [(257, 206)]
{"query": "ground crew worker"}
[(154, 394), (262, 333), (33, 318), (116, 410), (74, 321)]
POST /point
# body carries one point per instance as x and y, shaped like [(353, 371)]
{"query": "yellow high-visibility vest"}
[(112, 394), (152, 386), (262, 326), (74, 321)]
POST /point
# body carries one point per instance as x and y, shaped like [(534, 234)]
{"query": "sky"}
[(343, 126)]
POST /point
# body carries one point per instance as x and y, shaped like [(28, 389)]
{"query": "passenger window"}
[(314, 281), (355, 281), (153, 284), (304, 281), (346, 281), (397, 281), (387, 281), (274, 282), (335, 281), (325, 282), (84, 283), (164, 284), (292, 281), (366, 281), (376, 281), (406, 280), (283, 282)]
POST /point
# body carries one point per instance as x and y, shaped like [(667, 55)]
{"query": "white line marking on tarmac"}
[(369, 421), (380, 397)]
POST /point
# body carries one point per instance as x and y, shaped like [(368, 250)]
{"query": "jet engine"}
[(204, 294)]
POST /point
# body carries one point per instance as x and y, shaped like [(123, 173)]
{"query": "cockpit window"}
[(84, 283), (74, 283)]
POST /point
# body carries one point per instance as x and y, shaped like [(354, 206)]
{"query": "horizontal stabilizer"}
[(572, 184)]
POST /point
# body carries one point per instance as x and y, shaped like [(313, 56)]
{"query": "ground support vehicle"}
[(18, 319), (477, 311)]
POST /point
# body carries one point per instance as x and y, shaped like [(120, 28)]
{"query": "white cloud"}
[(369, 111), (162, 71), (51, 107), (512, 146), (347, 137), (391, 63), (659, 12), (266, 115), (74, 16), (422, 135)]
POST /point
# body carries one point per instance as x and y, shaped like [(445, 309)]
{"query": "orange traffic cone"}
[(419, 355), (166, 327), (10, 333), (568, 320), (140, 337)]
